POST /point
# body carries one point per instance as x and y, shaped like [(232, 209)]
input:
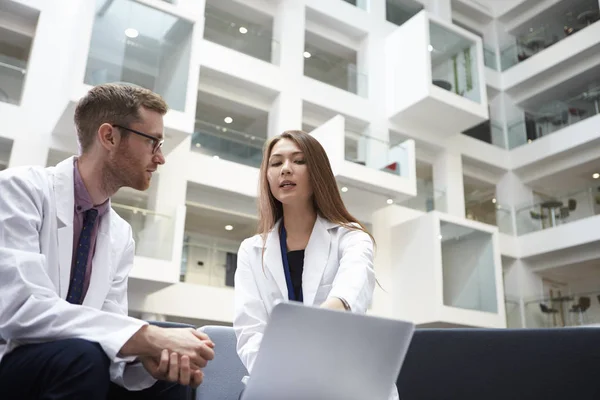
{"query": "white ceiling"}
[(572, 179), (214, 109), (588, 270), (212, 222)]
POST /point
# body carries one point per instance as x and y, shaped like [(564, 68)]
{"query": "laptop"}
[(310, 353)]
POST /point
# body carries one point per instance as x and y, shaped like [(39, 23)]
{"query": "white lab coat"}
[(36, 248), (338, 262)]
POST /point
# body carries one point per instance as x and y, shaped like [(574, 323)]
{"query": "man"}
[(65, 256)]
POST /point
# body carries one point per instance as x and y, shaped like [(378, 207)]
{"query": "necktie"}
[(83, 250)]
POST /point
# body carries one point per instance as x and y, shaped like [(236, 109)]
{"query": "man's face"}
[(134, 161)]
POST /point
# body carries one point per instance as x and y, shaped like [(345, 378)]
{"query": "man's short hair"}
[(113, 103)]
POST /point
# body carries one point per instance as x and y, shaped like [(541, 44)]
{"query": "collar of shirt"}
[(83, 200)]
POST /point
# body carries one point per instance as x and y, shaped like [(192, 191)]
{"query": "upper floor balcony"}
[(555, 44), (367, 162), (453, 266), (443, 86), (559, 108), (556, 210), (240, 28), (553, 25)]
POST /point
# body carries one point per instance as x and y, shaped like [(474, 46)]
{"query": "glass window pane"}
[(138, 44), (468, 266), (454, 62)]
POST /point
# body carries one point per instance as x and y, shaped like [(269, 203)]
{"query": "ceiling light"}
[(197, 144), (430, 48), (440, 237), (596, 175), (243, 30), (307, 54), (390, 201), (494, 200), (228, 227), (131, 33), (344, 189), (228, 120), (216, 157)]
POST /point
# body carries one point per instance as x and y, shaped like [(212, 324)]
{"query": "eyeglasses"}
[(157, 142)]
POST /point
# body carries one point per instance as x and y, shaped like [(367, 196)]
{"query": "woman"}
[(327, 254)]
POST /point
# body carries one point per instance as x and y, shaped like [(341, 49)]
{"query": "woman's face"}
[(287, 173)]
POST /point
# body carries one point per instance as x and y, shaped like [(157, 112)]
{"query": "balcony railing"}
[(427, 198), (558, 210), (377, 154), (554, 116), (490, 212), (222, 142), (334, 71), (563, 310), (243, 36), (152, 231), (206, 264), (12, 79), (537, 40)]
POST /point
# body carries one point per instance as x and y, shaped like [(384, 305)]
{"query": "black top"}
[(296, 263)]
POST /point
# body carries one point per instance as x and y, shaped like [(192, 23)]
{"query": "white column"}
[(285, 113), (29, 149), (448, 178), (169, 191), (524, 285), (288, 33), (516, 133), (512, 194)]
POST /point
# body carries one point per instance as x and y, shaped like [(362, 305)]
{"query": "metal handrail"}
[(140, 210), (13, 67)]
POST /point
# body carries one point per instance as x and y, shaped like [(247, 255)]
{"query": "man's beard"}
[(122, 171)]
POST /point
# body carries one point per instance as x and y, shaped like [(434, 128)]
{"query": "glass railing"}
[(153, 55), (490, 212), (427, 198), (562, 310), (222, 142), (512, 307), (537, 40), (152, 232), (206, 264), (558, 210), (468, 282), (12, 79), (489, 58), (377, 154), (454, 63), (554, 116), (243, 36), (334, 71)]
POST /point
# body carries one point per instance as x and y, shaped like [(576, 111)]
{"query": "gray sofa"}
[(463, 364)]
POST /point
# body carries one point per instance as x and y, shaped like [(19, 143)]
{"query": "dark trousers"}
[(70, 369)]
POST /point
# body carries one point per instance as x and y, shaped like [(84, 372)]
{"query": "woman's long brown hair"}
[(326, 197)]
